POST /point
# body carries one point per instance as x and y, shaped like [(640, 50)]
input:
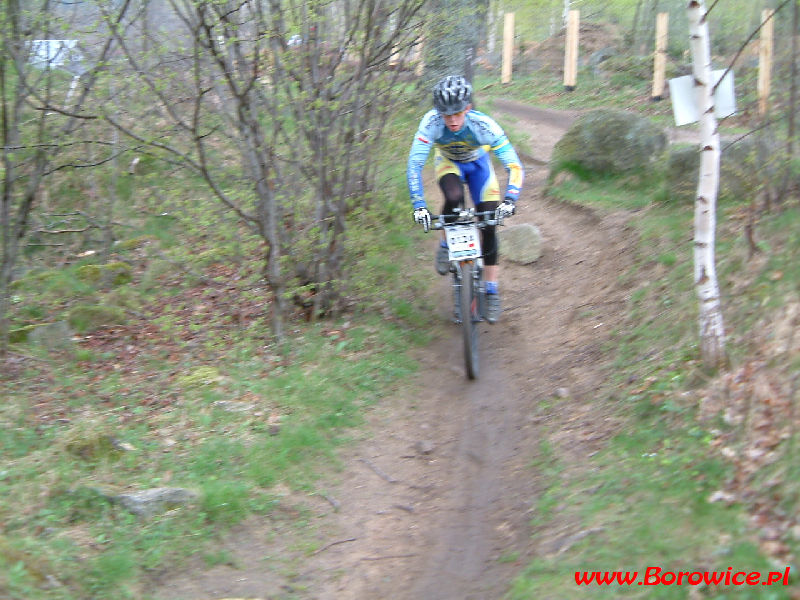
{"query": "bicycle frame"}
[(466, 260)]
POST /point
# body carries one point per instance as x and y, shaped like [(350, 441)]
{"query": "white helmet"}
[(452, 95)]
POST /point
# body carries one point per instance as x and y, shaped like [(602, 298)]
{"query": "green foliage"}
[(647, 493), (225, 503), (748, 167), (146, 407), (161, 227), (296, 410), (682, 172), (109, 572)]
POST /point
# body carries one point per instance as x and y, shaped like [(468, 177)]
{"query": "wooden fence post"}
[(660, 59), (419, 58), (765, 60), (571, 53), (508, 48)]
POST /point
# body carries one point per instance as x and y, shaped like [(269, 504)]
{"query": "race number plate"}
[(463, 241)]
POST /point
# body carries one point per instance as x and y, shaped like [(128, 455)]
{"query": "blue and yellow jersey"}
[(465, 145)]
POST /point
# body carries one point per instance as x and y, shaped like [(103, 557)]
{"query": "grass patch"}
[(645, 499), (172, 381), (232, 438)]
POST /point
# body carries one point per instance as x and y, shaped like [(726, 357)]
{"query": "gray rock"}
[(521, 243), (425, 446), (146, 503), (600, 56), (53, 336)]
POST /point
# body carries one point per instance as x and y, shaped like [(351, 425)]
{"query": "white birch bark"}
[(712, 330)]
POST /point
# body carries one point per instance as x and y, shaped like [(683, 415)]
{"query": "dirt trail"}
[(437, 502), (456, 522)]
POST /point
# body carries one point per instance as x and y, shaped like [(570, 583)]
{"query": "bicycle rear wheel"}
[(470, 317)]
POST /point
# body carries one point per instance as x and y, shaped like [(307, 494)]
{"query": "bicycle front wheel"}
[(470, 317)]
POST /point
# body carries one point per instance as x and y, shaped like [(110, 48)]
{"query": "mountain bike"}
[(462, 231)]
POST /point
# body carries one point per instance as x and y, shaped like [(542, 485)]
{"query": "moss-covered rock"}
[(133, 243), (199, 378), (88, 317), (33, 281), (115, 273), (20, 334), (608, 142), (96, 446), (55, 335), (124, 297)]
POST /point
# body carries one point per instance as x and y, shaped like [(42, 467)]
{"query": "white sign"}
[(684, 100), (57, 54)]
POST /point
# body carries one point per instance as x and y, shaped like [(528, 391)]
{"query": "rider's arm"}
[(420, 149), (492, 134), (506, 154)]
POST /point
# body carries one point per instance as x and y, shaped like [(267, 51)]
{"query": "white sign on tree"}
[(684, 98)]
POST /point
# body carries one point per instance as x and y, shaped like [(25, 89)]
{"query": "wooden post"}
[(765, 61), (660, 59), (508, 48), (571, 54), (418, 57)]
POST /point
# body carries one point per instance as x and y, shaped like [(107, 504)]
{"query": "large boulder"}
[(608, 142)]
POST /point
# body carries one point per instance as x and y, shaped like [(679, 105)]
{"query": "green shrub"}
[(682, 171), (746, 167)]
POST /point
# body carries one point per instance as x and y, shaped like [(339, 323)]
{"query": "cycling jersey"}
[(462, 146)]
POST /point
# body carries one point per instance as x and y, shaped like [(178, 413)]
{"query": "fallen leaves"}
[(755, 403)]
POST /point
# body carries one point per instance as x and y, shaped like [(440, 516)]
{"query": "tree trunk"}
[(793, 86), (712, 331)]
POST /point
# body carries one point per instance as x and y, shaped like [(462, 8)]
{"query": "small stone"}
[(425, 447), (146, 503)]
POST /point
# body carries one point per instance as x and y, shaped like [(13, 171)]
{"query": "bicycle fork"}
[(477, 284), (457, 295)]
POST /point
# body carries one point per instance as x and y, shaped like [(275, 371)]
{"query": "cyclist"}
[(459, 136)]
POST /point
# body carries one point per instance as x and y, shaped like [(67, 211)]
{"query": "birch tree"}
[(712, 330)]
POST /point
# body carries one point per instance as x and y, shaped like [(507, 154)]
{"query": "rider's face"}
[(455, 122)]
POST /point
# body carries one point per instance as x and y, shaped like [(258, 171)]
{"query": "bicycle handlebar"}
[(488, 218)]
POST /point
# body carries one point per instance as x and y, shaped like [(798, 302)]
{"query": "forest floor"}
[(436, 500)]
